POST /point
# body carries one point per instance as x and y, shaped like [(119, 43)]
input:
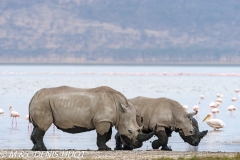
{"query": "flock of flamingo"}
[(211, 121), (4, 73)]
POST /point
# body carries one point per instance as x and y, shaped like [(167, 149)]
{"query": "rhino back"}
[(75, 106)]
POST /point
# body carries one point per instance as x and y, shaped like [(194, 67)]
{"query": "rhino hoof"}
[(34, 147), (156, 144), (166, 148), (104, 149), (127, 147), (39, 148), (118, 148)]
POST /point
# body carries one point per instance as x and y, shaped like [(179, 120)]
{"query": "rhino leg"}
[(104, 132), (161, 141), (109, 134), (37, 138), (118, 142), (33, 140), (168, 132)]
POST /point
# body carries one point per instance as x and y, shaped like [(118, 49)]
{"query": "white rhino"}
[(169, 116), (76, 110)]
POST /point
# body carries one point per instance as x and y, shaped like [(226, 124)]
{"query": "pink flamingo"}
[(14, 114), (214, 111), (1, 111), (231, 108), (185, 107), (212, 105), (29, 124), (234, 98), (196, 108)]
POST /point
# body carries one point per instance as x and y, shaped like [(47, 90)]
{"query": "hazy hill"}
[(107, 31)]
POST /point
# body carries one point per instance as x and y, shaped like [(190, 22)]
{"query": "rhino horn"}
[(203, 133), (144, 137), (192, 114)]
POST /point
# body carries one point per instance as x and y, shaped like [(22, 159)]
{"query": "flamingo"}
[(231, 108), (234, 98), (185, 107), (214, 111), (195, 107), (27, 118), (219, 100), (1, 111), (219, 95), (13, 114), (214, 122), (201, 98), (217, 104), (237, 90), (212, 105)]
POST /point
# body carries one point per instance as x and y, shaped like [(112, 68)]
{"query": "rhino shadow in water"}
[(76, 110), (169, 116)]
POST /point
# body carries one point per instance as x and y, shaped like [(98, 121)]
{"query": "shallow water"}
[(184, 84)]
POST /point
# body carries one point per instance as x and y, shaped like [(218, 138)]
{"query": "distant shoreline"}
[(128, 64)]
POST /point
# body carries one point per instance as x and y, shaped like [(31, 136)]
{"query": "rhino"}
[(169, 116), (76, 110)]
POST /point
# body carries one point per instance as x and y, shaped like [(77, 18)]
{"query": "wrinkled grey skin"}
[(150, 109), (76, 110)]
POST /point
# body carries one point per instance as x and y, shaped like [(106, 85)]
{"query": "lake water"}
[(184, 84)]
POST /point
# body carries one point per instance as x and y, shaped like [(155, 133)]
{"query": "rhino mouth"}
[(130, 142), (195, 139)]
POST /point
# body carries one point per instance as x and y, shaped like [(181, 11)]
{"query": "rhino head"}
[(185, 126), (194, 139), (130, 133)]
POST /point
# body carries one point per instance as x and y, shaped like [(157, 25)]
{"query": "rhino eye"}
[(191, 132), (130, 131)]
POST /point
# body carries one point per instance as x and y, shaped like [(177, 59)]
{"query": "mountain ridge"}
[(107, 31)]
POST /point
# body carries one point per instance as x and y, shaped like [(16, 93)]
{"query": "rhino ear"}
[(190, 115), (122, 107)]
